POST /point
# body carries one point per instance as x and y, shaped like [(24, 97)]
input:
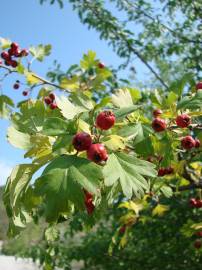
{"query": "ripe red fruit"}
[(14, 63), (47, 100), (193, 202), (5, 55), (17, 53), (197, 143), (53, 106), (14, 46), (169, 170), (198, 204), (11, 52), (24, 52), (101, 65), (183, 120), (159, 124), (157, 113), (82, 141), (105, 120), (89, 202), (199, 234), (8, 62), (1, 62), (25, 93), (122, 229), (161, 172), (52, 96), (199, 86), (97, 153), (188, 142), (197, 244), (16, 86)]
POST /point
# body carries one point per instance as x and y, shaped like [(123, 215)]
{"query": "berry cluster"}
[(82, 141), (89, 202), (182, 121), (50, 101), (195, 203), (165, 171), (13, 52)]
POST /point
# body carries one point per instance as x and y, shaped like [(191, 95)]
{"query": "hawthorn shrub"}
[(94, 145)]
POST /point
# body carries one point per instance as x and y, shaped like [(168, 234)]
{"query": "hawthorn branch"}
[(41, 79), (173, 32), (119, 36)]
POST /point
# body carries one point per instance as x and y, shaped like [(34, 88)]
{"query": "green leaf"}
[(62, 183), (125, 111), (17, 184), (40, 51), (68, 109), (122, 98), (55, 126), (5, 43), (192, 103), (5, 104), (160, 210), (129, 171), (52, 234), (88, 60), (18, 139), (167, 191)]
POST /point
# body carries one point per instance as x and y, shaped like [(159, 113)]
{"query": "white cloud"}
[(5, 170)]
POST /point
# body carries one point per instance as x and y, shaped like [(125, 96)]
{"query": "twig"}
[(43, 80)]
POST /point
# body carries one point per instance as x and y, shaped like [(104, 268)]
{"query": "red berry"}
[(193, 202), (24, 52), (199, 86), (183, 120), (97, 153), (1, 62), (8, 62), (17, 53), (16, 86), (101, 65), (88, 195), (11, 52), (199, 234), (197, 143), (5, 56), (82, 141), (14, 46), (105, 120), (169, 170), (52, 96), (198, 203), (159, 124), (53, 106), (47, 100), (197, 244), (157, 113), (161, 172), (25, 93), (188, 142), (122, 229), (14, 63), (90, 208)]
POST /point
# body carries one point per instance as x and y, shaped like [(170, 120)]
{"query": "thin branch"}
[(129, 46), (43, 80), (177, 34)]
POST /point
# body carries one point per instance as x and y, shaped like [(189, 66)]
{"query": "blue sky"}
[(28, 23)]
